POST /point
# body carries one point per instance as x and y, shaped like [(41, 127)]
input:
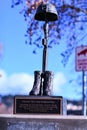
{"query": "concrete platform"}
[(42, 122)]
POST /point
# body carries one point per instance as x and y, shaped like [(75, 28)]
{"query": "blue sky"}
[(18, 63)]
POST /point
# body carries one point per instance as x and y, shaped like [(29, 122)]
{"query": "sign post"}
[(84, 94), (81, 65)]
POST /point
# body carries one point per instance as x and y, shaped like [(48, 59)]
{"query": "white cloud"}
[(59, 80), (15, 83), (22, 83)]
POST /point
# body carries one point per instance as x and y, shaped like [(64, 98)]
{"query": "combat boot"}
[(48, 83), (37, 82)]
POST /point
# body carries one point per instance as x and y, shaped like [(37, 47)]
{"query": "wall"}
[(42, 122)]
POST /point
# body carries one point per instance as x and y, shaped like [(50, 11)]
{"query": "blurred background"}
[(21, 50)]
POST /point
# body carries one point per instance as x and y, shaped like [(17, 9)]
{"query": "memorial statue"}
[(43, 81), (41, 99)]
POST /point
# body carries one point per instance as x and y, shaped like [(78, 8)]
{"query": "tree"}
[(70, 25)]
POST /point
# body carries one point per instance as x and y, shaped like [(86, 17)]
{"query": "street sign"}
[(81, 58)]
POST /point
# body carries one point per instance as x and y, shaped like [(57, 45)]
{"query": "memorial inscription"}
[(37, 105)]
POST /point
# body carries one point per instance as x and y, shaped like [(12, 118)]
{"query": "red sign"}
[(81, 58)]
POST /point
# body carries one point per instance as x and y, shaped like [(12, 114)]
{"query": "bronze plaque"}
[(37, 105)]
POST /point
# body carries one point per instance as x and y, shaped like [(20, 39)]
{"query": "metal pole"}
[(84, 94), (45, 49), (45, 55)]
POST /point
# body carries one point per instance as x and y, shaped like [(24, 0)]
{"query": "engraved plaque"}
[(37, 105)]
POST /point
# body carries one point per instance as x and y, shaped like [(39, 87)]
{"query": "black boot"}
[(37, 82), (48, 83)]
